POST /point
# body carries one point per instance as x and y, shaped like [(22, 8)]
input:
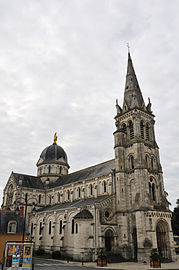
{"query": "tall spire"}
[(132, 94)]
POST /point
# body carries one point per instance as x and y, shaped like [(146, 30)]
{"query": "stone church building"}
[(119, 204)]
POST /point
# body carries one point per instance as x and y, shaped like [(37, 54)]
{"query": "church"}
[(119, 204)]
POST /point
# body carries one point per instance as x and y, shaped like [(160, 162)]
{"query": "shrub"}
[(40, 252), (154, 255), (56, 254), (101, 253)]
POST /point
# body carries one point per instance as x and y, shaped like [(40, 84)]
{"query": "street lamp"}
[(26, 200)]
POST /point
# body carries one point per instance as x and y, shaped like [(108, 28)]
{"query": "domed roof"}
[(52, 153)]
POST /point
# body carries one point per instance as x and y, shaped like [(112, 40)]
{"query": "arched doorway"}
[(163, 243), (109, 239)]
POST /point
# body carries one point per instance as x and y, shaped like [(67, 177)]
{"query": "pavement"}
[(128, 265), (59, 264)]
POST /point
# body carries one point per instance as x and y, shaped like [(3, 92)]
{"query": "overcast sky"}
[(63, 64)]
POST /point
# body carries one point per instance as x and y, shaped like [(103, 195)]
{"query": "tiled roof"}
[(6, 216), (92, 172), (85, 174), (74, 204), (28, 181)]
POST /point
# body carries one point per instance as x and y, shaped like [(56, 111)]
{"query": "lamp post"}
[(26, 200)]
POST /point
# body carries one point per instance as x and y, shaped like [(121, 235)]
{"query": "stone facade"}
[(119, 204)]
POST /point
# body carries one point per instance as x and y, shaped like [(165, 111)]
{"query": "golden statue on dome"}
[(55, 138)]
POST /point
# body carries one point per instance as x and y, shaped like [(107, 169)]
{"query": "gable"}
[(11, 181), (28, 181)]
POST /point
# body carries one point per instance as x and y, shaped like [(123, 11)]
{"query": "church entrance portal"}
[(163, 240), (109, 239)]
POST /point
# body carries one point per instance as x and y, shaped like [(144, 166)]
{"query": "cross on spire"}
[(128, 47)]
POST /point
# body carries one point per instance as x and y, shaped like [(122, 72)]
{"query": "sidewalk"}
[(130, 265)]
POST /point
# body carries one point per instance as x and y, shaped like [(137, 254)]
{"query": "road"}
[(43, 264)]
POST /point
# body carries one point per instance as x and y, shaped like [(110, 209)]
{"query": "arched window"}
[(153, 192), (40, 197), (79, 192), (150, 190), (49, 169), (50, 199), (147, 132), (32, 228), (147, 161), (60, 169), (124, 127), (131, 162), (152, 163), (72, 226), (58, 197), (142, 129), (40, 228), (50, 227), (12, 227), (131, 130), (76, 228), (68, 194), (104, 183), (91, 189), (60, 228)]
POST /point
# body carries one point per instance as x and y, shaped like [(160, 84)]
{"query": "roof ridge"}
[(26, 174), (73, 204)]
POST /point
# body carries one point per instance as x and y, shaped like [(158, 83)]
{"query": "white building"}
[(119, 204)]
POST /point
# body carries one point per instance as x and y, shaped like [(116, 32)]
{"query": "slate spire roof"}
[(132, 94)]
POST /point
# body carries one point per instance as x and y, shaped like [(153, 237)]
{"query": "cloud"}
[(62, 66)]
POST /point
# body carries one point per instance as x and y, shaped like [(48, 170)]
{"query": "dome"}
[(52, 153)]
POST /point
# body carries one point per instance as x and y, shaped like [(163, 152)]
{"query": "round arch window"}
[(107, 214)]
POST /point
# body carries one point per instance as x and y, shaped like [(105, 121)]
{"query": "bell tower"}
[(140, 197), (139, 181)]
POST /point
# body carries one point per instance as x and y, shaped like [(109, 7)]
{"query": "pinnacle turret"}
[(132, 94)]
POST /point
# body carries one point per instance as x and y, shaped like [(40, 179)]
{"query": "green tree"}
[(175, 219)]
